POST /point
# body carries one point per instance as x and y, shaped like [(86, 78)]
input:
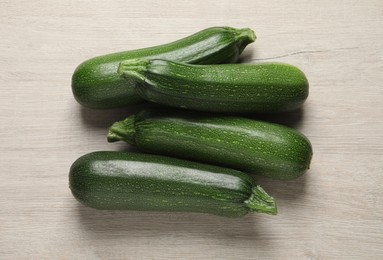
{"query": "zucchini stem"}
[(262, 202), (133, 69), (244, 37), (122, 131)]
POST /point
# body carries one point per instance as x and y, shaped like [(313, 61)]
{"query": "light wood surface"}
[(334, 212)]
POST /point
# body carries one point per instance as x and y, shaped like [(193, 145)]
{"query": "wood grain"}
[(334, 212)]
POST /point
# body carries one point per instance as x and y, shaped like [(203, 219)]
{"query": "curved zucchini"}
[(261, 88), (129, 181), (96, 84), (251, 146)]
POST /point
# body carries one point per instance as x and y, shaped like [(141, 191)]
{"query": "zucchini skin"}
[(96, 84), (131, 181), (240, 88), (262, 148)]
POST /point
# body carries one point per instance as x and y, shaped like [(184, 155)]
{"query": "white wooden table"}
[(334, 212)]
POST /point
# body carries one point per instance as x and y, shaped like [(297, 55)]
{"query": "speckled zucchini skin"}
[(251, 146), (244, 88), (96, 84), (130, 181)]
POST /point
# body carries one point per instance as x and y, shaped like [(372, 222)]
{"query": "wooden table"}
[(333, 212)]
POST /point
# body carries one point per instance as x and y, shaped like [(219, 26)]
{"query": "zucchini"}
[(261, 88), (262, 148), (96, 84), (130, 181)]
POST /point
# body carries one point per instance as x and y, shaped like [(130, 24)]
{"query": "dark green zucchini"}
[(260, 88), (251, 146), (129, 181), (96, 84)]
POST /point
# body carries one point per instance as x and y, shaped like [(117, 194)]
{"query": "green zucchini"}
[(261, 88), (130, 181), (96, 84), (248, 145)]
